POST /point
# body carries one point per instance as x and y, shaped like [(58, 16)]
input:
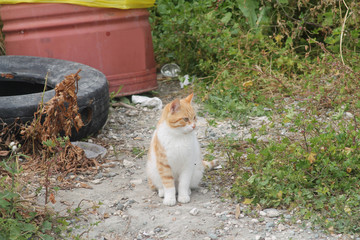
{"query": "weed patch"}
[(294, 61)]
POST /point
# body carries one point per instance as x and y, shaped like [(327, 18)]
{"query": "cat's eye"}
[(186, 119)]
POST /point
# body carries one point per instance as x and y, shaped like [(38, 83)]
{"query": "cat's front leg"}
[(184, 188), (169, 196)]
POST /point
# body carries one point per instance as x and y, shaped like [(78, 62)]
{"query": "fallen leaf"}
[(311, 157), (84, 185), (347, 209), (237, 211), (247, 201), (106, 215), (52, 198), (248, 84)]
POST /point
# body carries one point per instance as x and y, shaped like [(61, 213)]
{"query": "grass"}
[(314, 168), (295, 62)]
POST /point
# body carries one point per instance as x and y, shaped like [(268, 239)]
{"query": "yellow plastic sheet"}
[(120, 4)]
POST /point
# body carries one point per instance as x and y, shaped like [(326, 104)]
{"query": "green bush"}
[(246, 53), (249, 56)]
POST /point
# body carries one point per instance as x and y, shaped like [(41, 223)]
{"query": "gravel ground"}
[(118, 204)]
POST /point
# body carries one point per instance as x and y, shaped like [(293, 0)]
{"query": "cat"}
[(174, 158)]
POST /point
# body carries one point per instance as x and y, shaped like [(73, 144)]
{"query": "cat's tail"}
[(209, 165), (151, 185)]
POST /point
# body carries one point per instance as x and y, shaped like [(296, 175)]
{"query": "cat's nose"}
[(193, 126)]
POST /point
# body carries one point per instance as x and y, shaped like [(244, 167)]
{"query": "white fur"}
[(184, 157)]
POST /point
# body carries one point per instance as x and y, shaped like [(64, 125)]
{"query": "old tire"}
[(93, 91)]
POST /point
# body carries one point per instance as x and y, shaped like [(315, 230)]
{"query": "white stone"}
[(128, 164), (96, 181), (194, 211), (137, 181), (281, 227), (262, 213), (271, 212)]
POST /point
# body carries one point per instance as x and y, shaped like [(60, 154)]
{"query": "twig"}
[(305, 139), (258, 68), (342, 31), (355, 128), (127, 226), (118, 104)]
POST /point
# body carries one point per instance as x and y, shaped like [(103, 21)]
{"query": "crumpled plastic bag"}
[(120, 4), (154, 102)]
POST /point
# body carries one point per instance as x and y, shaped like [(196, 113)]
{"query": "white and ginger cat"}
[(174, 160)]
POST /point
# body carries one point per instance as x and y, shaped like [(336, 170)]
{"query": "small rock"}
[(96, 181), (257, 237), (99, 175), (128, 164), (224, 217), (213, 236), (112, 174), (262, 213), (254, 220), (131, 113), (129, 202), (270, 225), (194, 211), (136, 181), (204, 190), (271, 212), (281, 227), (120, 206), (270, 238)]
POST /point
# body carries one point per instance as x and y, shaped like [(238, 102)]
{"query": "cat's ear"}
[(175, 106), (189, 98)]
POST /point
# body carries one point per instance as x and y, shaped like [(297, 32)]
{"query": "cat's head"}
[(180, 115)]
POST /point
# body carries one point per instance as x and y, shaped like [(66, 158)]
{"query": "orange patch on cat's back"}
[(162, 164)]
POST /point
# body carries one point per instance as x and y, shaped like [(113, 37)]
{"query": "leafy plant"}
[(18, 220), (248, 56)]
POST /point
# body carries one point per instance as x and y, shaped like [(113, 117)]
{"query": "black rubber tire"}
[(93, 90)]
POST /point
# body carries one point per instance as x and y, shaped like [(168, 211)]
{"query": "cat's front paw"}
[(184, 198), (169, 201)]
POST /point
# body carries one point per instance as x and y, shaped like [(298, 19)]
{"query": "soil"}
[(117, 203)]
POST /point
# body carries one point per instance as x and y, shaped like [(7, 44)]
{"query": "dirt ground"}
[(117, 203)]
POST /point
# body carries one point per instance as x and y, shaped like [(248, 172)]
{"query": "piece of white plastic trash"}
[(144, 101), (186, 81)]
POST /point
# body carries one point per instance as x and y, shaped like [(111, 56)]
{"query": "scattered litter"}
[(170, 70), (154, 102), (218, 167), (91, 150), (186, 80)]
